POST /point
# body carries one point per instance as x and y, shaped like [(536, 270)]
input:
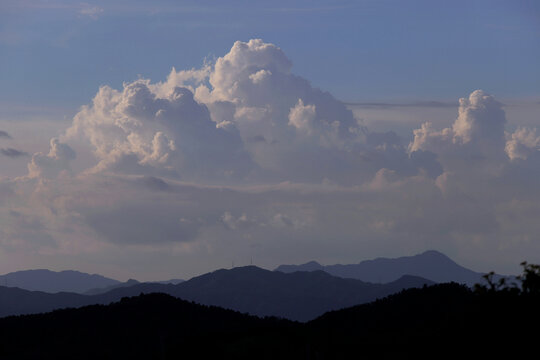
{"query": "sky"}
[(165, 139)]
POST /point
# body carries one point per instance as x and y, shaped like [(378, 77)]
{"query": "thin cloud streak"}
[(417, 104), (13, 153)]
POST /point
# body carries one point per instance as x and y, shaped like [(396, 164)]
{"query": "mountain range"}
[(431, 265), (298, 296), (296, 292)]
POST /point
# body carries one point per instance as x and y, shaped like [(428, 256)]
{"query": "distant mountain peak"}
[(309, 266), (433, 253), (430, 264)]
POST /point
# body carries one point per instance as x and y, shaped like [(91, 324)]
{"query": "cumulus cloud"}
[(522, 143), (475, 144), (246, 117), (145, 130), (480, 118), (243, 156), (50, 165), (301, 116), (260, 76), (480, 123)]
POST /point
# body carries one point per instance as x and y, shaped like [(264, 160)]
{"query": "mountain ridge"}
[(432, 265), (55, 281)]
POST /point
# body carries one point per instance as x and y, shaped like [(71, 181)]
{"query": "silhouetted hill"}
[(431, 265), (444, 321), (15, 301), (155, 326), (441, 321), (53, 281), (298, 296)]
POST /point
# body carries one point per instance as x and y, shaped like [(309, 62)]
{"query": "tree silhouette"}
[(530, 279), (530, 282)]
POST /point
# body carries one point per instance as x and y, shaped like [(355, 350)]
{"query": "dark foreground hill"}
[(298, 296), (444, 321), (431, 265), (154, 326)]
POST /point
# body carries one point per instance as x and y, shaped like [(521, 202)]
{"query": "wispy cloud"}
[(33, 5), (417, 104), (307, 9), (13, 153), (92, 12), (4, 135)]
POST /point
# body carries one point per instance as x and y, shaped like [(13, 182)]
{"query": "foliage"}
[(530, 279), (529, 282)]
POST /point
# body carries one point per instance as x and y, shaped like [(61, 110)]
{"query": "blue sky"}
[(164, 139), (358, 50)]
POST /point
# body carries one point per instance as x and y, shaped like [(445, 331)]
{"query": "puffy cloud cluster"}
[(147, 130), (478, 131), (480, 119), (243, 156), (245, 117), (478, 128)]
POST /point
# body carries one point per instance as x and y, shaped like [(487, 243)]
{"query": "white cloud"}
[(479, 125), (56, 161), (260, 76), (145, 130), (480, 118), (301, 116)]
